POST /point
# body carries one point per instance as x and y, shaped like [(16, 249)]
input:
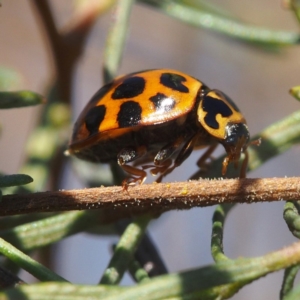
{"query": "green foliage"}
[(14, 180), (19, 99)]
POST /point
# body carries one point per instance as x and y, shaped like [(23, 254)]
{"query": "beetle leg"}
[(244, 166), (183, 154), (162, 160), (159, 169), (186, 150), (201, 163), (127, 155), (166, 152)]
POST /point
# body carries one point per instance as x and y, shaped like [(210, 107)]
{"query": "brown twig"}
[(68, 45), (116, 203)]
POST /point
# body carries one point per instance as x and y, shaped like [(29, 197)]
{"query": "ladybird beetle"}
[(160, 116)]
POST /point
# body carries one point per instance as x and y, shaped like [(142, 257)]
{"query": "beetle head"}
[(235, 143)]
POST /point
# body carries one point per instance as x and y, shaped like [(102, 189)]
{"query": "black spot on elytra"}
[(174, 82), (94, 117), (129, 88), (228, 99), (162, 102), (101, 93), (129, 114), (213, 107)]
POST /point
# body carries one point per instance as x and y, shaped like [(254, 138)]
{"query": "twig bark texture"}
[(116, 203)]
